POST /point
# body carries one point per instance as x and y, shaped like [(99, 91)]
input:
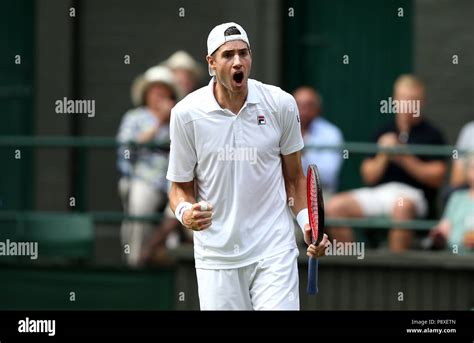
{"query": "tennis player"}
[(235, 162)]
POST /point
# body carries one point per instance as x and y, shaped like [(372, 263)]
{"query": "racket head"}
[(315, 204)]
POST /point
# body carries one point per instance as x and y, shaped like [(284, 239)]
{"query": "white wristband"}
[(302, 218), (182, 206)]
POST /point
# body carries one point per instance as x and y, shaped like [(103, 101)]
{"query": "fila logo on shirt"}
[(261, 120)]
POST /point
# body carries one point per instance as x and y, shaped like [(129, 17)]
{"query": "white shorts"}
[(270, 284), (381, 199)]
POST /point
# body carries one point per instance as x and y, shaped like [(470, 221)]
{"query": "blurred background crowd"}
[(340, 59)]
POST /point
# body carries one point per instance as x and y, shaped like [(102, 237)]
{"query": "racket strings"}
[(313, 205)]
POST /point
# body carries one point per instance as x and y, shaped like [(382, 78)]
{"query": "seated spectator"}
[(317, 130), (401, 186), (455, 231), (465, 143), (188, 73), (143, 184)]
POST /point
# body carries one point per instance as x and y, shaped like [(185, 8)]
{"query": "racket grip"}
[(312, 276)]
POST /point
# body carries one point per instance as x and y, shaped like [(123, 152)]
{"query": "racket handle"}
[(312, 276)]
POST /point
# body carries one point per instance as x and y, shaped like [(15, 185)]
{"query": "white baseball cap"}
[(224, 33)]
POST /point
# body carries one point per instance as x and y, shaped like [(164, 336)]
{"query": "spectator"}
[(465, 143), (188, 73), (317, 130), (456, 229), (401, 186), (143, 184)]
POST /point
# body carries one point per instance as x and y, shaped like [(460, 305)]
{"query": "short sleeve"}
[(436, 137), (450, 209), (127, 130), (291, 139), (182, 150), (466, 138)]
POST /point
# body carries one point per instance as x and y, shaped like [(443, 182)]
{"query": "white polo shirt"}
[(236, 161)]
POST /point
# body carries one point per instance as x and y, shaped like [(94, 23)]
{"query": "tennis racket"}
[(316, 222)]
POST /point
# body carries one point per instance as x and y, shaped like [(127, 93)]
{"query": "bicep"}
[(288, 118), (183, 157), (183, 187)]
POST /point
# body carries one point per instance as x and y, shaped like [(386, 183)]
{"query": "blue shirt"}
[(322, 132), (148, 164)]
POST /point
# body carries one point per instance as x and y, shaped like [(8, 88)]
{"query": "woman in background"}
[(455, 231)]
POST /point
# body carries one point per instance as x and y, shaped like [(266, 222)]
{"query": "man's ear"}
[(210, 61)]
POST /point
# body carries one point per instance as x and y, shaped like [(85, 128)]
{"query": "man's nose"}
[(237, 62)]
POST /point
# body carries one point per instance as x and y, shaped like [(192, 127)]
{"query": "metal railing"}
[(111, 142), (62, 142)]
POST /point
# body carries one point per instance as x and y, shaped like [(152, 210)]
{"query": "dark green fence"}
[(352, 52), (30, 287), (378, 281), (17, 70)]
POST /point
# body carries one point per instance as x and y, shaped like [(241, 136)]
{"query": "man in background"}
[(402, 186), (317, 130), (188, 73), (464, 145)]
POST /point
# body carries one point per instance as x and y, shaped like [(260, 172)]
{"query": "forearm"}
[(295, 182), (181, 191), (440, 233), (146, 136), (296, 194), (428, 173), (458, 176), (372, 169)]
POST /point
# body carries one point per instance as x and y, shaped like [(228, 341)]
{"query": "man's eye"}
[(226, 55), (243, 53)]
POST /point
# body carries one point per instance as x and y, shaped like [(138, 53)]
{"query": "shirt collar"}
[(252, 97), (212, 105)]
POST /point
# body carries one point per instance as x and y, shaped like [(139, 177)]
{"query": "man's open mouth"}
[(239, 76)]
